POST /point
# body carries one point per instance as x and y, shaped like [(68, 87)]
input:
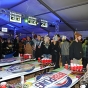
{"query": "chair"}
[(8, 55)]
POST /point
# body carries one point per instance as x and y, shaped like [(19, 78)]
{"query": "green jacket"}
[(85, 49)]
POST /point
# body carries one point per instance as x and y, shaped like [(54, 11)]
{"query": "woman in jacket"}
[(55, 50), (46, 47)]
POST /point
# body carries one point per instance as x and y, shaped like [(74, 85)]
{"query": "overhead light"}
[(44, 23), (26, 20), (18, 18), (12, 16), (4, 29), (32, 20), (15, 17)]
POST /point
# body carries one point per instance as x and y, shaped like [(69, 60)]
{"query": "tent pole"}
[(45, 5), (80, 4)]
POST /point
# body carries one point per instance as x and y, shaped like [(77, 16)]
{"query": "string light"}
[(26, 20)]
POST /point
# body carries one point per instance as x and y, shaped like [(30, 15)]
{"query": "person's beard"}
[(79, 40)]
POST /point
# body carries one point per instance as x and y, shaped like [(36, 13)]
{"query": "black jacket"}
[(75, 50), (55, 48), (45, 50)]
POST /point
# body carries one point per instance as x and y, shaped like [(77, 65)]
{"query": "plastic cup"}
[(81, 67), (43, 61), (77, 67), (3, 85), (66, 66), (24, 56), (29, 56), (72, 66), (49, 60), (39, 59), (21, 55)]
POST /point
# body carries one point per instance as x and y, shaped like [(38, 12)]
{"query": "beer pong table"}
[(18, 60), (5, 75), (74, 80)]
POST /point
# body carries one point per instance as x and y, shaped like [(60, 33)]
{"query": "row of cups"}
[(74, 67), (45, 60), (6, 85), (26, 56)]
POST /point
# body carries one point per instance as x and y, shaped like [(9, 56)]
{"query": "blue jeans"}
[(65, 60), (46, 55)]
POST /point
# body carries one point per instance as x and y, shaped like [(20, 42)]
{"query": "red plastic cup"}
[(74, 67), (39, 59), (24, 57), (77, 67), (21, 55), (66, 66), (29, 56), (46, 61), (43, 61), (3, 85), (49, 61), (81, 67)]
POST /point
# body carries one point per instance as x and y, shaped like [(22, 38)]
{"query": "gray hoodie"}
[(65, 48)]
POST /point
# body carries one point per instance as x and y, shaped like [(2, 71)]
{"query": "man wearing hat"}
[(76, 49), (65, 51)]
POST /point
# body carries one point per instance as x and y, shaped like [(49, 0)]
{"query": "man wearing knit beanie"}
[(65, 51), (76, 49)]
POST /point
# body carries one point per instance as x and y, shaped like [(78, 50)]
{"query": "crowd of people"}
[(75, 51)]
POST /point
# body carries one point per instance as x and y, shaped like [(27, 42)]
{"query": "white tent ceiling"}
[(73, 12)]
